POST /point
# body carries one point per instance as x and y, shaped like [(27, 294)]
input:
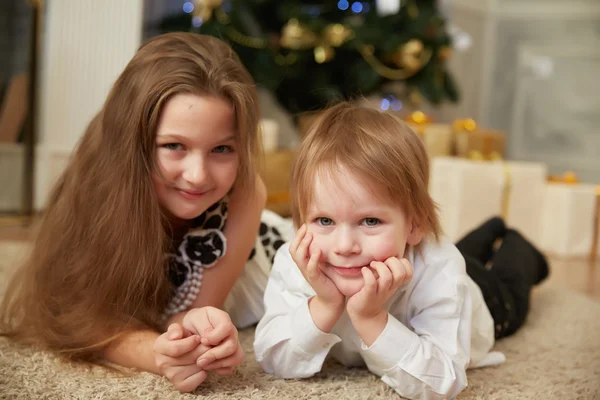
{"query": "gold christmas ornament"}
[(409, 56), (323, 54), (297, 36), (445, 53), (337, 34), (415, 97), (204, 8)]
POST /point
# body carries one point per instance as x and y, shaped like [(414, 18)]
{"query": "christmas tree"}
[(312, 53)]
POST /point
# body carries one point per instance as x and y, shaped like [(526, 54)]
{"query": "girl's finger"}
[(190, 383), (175, 331), (220, 332), (176, 348), (228, 362), (224, 350)]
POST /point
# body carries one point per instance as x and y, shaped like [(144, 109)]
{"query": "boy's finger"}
[(386, 278), (302, 252), (313, 263), (370, 281), (297, 239)]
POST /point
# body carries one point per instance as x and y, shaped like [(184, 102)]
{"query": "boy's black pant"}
[(505, 275)]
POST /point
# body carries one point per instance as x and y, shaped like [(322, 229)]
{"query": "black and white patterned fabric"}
[(201, 248)]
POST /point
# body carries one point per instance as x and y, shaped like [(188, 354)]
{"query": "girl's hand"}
[(216, 330), (371, 299), (327, 293), (176, 352)]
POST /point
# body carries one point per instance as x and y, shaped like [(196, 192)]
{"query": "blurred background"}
[(504, 93)]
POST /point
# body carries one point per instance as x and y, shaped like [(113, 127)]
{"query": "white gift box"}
[(568, 219), (469, 192), (269, 130)]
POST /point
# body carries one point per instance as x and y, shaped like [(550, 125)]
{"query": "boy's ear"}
[(415, 235)]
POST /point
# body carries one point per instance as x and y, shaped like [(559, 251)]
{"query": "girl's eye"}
[(222, 149), (172, 146), (371, 221), (324, 221)]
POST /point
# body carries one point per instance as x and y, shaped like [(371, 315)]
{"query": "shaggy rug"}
[(555, 356)]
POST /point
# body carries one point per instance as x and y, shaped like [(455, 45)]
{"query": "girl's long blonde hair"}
[(97, 266)]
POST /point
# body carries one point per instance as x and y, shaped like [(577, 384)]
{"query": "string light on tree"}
[(387, 7), (311, 53)]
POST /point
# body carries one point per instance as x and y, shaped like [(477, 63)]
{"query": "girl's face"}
[(196, 155)]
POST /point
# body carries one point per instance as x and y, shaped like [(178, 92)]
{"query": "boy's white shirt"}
[(438, 326)]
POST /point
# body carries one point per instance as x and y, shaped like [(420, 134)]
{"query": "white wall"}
[(86, 44)]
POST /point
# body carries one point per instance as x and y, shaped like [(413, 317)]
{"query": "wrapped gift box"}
[(469, 192), (568, 219), (490, 144), (438, 138), (275, 172), (470, 139)]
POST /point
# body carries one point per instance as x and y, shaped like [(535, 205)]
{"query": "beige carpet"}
[(555, 356)]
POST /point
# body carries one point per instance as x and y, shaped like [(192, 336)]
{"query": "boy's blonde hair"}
[(381, 149)]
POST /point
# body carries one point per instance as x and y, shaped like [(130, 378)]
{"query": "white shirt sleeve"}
[(287, 342), (430, 361)]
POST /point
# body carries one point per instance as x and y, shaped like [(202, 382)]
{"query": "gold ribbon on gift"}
[(417, 121), (571, 178), (594, 249), (464, 125), (475, 155)]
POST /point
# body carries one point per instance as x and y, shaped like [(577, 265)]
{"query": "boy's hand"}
[(366, 308), (216, 330), (327, 306), (176, 352)]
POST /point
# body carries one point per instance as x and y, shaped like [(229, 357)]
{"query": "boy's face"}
[(351, 227)]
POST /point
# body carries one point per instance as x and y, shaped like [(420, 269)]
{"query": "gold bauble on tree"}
[(337, 34), (445, 53), (415, 97), (205, 8), (410, 55), (324, 53), (297, 36)]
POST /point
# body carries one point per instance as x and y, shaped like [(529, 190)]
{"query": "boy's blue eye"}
[(222, 149), (172, 146), (371, 221), (323, 221)]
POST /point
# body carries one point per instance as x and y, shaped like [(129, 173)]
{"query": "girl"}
[(153, 221), (368, 277)]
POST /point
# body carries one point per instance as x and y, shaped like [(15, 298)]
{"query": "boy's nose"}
[(346, 242)]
